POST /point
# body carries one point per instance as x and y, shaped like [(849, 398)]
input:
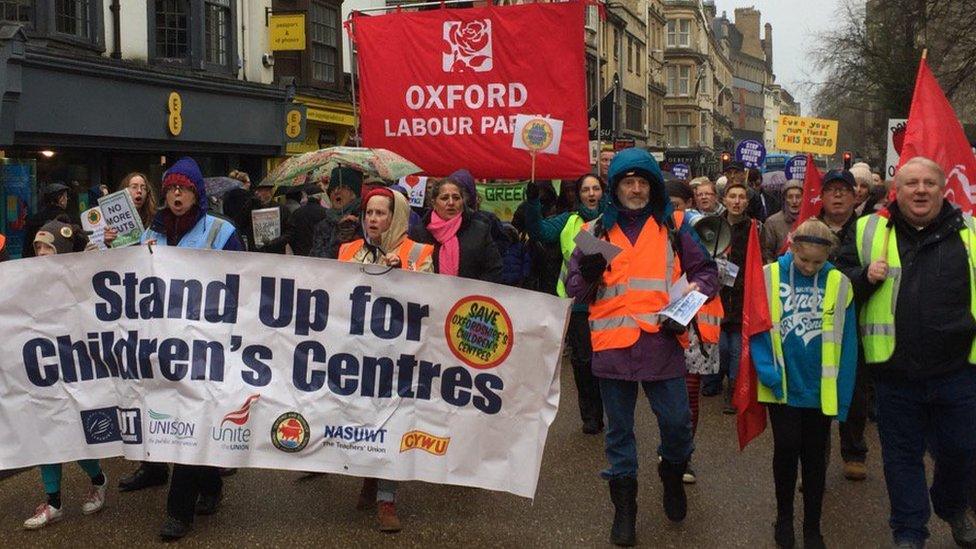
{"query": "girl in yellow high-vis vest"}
[(805, 364)]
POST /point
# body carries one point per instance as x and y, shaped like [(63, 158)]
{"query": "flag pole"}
[(533, 165)]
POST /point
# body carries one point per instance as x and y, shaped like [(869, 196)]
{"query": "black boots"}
[(783, 533), (675, 502), (623, 494)]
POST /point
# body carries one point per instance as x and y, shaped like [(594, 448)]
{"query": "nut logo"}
[(479, 332), (470, 45), (538, 134), (419, 440)]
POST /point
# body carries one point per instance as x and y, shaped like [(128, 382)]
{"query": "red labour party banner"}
[(442, 87)]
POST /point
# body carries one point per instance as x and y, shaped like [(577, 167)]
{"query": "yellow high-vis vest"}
[(567, 243), (837, 297), (877, 316)]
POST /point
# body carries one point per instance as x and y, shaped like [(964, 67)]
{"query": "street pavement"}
[(732, 505)]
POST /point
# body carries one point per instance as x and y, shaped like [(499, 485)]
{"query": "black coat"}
[(755, 209), (36, 221), (933, 324), (732, 296), (331, 231), (302, 226), (479, 259)]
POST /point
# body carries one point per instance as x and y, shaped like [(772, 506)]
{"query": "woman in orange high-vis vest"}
[(633, 346), (386, 215)]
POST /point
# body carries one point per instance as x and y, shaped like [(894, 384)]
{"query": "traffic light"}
[(726, 158), (848, 160)]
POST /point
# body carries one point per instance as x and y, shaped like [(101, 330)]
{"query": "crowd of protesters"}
[(872, 304)]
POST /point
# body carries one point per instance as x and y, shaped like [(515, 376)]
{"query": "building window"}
[(672, 73), (635, 112), (216, 31), (71, 17), (684, 77), (325, 42), (703, 128), (616, 44), (630, 54), (21, 11), (679, 33), (637, 61), (679, 129), (172, 29)]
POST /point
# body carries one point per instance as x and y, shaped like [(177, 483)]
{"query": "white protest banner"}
[(895, 134), (249, 360), (416, 186), (121, 214), (92, 221), (537, 134)]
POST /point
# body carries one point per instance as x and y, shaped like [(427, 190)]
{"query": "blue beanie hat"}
[(186, 173)]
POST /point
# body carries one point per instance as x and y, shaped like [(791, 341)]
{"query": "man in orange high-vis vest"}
[(632, 345)]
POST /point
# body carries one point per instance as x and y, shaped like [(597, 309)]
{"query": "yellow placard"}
[(287, 32), (806, 135)]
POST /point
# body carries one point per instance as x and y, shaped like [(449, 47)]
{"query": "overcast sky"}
[(795, 24)]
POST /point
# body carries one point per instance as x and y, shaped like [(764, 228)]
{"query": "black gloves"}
[(531, 190), (592, 267), (671, 325)]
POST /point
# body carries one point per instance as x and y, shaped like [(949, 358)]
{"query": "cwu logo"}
[(232, 433), (100, 425), (470, 45)]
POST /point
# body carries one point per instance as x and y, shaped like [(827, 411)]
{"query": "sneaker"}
[(146, 476), (95, 499), (689, 476), (855, 470), (908, 544), (963, 531), (43, 515), (387, 514)]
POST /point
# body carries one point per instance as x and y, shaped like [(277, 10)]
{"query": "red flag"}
[(811, 205), (934, 132), (751, 416)]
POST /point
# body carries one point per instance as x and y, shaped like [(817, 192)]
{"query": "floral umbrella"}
[(217, 186), (376, 162)]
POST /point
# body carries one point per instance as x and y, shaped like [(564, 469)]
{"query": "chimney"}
[(768, 47), (747, 23)]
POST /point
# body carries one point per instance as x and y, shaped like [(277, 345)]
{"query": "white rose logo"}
[(470, 45)]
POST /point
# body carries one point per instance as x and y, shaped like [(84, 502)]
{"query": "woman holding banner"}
[(386, 215), (143, 197), (462, 244)]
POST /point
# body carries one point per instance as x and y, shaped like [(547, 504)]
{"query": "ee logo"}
[(293, 123), (175, 107)]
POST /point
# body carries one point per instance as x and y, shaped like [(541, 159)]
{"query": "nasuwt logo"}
[(479, 332), (235, 436), (419, 440), (470, 45), (290, 433), (100, 425), (351, 433)]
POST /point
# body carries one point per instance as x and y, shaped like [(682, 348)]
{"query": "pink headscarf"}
[(445, 231)]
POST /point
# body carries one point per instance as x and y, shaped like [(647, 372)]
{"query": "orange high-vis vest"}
[(635, 286), (412, 254), (710, 320), (3, 241)]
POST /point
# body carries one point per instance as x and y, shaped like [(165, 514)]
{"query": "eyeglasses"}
[(837, 189)]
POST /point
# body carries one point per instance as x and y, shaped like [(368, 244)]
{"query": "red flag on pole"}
[(811, 205), (934, 132), (751, 416)]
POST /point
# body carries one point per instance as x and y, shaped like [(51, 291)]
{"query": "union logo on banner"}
[(470, 45)]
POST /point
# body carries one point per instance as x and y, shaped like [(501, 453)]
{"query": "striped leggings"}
[(693, 382)]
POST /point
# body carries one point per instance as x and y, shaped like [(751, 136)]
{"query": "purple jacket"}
[(656, 356)]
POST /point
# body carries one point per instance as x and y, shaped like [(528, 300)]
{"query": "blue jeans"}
[(669, 402), (934, 414), (729, 351)]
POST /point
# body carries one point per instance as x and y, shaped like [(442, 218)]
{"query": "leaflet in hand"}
[(684, 309), (589, 244)]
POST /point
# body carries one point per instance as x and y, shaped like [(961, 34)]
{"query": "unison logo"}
[(166, 424)]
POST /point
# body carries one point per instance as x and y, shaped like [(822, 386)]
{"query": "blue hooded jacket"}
[(638, 162)]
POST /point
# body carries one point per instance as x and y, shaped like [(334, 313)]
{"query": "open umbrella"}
[(218, 186), (376, 162)]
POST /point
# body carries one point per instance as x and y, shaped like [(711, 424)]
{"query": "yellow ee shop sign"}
[(806, 135), (287, 32)]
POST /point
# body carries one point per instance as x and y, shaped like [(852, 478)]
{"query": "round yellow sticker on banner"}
[(479, 332)]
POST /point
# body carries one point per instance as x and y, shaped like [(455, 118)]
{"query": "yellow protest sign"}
[(287, 32), (807, 135)]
